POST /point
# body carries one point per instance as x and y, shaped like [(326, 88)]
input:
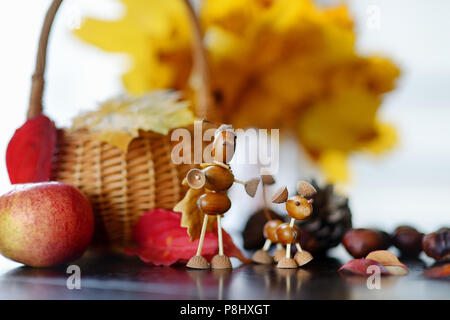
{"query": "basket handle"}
[(205, 107)]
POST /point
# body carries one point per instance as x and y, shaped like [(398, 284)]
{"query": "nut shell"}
[(286, 263), (251, 186), (196, 178), (267, 179), (262, 257), (298, 208), (280, 195), (279, 254), (302, 257), (306, 190), (198, 262), (221, 262)]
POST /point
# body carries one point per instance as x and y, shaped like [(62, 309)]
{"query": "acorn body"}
[(214, 203), (218, 178)]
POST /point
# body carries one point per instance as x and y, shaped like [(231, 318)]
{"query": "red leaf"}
[(360, 266), (442, 271), (230, 248), (30, 151), (161, 240)]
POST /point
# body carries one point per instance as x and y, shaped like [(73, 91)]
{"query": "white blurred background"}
[(409, 185)]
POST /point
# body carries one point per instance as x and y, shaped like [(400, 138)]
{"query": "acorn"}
[(408, 240), (360, 242)]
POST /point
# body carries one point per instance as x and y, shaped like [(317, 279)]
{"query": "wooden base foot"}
[(197, 262), (302, 257), (262, 256), (279, 254), (221, 262), (286, 263)]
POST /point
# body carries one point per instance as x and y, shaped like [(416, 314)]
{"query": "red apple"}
[(45, 224)]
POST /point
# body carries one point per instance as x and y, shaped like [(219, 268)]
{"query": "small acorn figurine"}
[(216, 178), (298, 207)]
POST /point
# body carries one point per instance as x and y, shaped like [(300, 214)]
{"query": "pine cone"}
[(330, 219)]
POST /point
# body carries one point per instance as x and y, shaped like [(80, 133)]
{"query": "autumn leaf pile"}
[(292, 63)]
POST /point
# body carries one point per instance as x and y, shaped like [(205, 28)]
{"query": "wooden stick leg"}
[(219, 233), (288, 247), (267, 245), (299, 247), (288, 251), (202, 235), (291, 224)]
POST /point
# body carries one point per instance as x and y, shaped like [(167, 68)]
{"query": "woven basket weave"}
[(120, 185)]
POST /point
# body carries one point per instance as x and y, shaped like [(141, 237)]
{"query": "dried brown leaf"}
[(191, 215), (385, 258), (360, 267)]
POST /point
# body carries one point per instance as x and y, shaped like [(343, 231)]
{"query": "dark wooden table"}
[(115, 277)]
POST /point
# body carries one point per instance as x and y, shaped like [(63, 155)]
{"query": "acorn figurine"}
[(298, 207), (262, 256), (216, 178)]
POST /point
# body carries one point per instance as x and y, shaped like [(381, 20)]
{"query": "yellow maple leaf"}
[(118, 121)]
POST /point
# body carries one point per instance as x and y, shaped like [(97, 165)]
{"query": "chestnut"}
[(287, 234), (437, 244), (298, 207), (408, 240), (360, 242), (270, 230)]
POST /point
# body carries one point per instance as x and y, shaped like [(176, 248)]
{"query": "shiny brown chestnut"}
[(287, 234), (360, 242), (408, 240), (218, 178), (437, 244), (214, 203), (270, 230)]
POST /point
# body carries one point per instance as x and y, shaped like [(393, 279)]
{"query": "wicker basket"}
[(121, 186)]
